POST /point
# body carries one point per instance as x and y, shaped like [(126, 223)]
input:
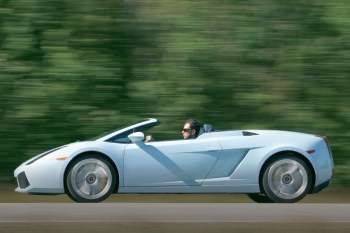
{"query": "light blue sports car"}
[(268, 165)]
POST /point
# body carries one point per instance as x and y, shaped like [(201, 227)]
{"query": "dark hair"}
[(194, 124)]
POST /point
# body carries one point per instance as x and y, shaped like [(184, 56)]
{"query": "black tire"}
[(95, 185), (259, 197), (292, 179)]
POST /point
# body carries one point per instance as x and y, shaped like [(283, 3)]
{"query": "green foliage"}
[(70, 70)]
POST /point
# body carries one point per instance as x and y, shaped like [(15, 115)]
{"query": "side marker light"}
[(311, 151), (62, 157)]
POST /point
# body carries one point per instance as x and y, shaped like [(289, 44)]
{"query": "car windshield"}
[(103, 134), (123, 136), (124, 132)]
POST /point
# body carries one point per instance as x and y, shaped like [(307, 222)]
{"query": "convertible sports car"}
[(268, 165)]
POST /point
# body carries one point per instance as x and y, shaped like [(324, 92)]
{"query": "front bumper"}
[(42, 176), (22, 180)]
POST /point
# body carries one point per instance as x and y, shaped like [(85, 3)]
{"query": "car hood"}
[(48, 152)]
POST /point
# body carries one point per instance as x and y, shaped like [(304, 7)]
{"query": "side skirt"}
[(192, 189)]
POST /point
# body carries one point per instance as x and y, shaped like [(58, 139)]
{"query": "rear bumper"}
[(323, 164), (321, 186)]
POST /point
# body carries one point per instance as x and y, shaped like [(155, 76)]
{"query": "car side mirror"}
[(136, 137)]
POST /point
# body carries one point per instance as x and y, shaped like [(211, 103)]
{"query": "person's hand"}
[(149, 138)]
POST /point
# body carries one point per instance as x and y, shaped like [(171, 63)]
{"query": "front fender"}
[(113, 153)]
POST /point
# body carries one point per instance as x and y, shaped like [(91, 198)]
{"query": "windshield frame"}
[(149, 123)]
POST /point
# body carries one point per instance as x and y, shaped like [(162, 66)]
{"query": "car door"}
[(169, 163)]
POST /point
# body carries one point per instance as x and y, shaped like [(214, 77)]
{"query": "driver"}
[(191, 129)]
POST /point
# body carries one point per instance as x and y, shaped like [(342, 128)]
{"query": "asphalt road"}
[(166, 217), (164, 212)]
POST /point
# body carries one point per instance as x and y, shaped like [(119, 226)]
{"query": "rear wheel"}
[(90, 178), (286, 179)]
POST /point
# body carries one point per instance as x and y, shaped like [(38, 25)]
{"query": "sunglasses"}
[(186, 130)]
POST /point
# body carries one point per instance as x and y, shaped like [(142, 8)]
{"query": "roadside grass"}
[(332, 194)]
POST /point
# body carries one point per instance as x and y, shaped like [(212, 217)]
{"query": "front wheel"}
[(90, 178), (286, 179)]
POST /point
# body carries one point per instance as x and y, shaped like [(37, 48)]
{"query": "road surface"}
[(173, 217)]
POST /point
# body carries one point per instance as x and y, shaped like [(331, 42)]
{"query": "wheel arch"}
[(92, 152), (292, 153)]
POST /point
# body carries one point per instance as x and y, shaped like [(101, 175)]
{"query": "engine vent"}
[(247, 133)]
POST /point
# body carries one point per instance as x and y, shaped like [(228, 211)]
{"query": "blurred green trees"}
[(70, 70)]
